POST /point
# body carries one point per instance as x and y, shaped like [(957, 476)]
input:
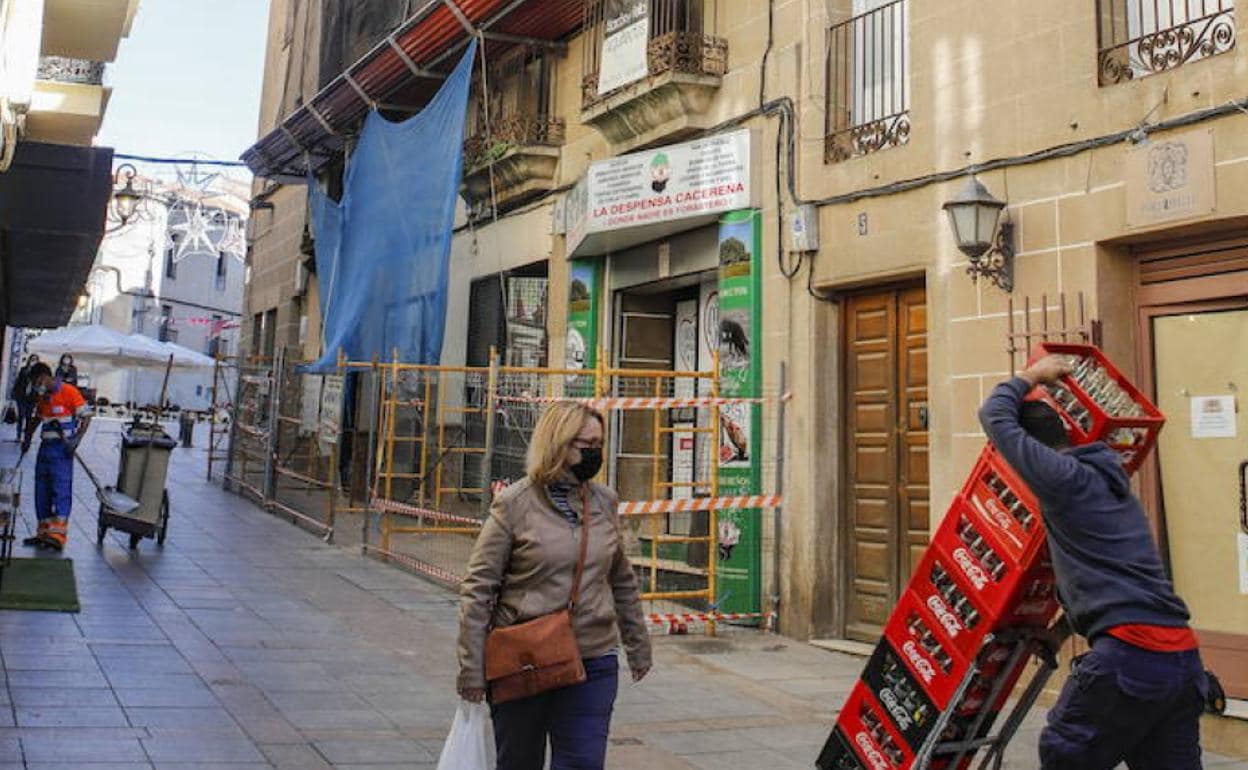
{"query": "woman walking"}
[(22, 396), (552, 543), (66, 371)]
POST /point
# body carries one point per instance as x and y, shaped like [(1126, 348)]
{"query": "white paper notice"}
[(625, 48), (1213, 417), (1242, 557)]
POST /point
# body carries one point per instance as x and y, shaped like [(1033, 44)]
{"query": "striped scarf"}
[(559, 492)]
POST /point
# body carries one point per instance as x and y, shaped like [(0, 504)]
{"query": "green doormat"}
[(39, 584)]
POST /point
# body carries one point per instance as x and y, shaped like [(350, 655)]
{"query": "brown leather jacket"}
[(522, 567)]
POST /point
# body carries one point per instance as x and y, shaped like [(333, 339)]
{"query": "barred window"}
[(1143, 37)]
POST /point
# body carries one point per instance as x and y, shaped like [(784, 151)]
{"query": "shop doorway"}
[(669, 326), (1193, 335), (886, 508)]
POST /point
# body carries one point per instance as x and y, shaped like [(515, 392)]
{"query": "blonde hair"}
[(556, 429)]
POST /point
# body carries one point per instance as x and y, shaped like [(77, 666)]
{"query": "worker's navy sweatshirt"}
[(1108, 569)]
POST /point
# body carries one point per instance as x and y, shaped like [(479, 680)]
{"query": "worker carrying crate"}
[(1138, 694), (1047, 512)]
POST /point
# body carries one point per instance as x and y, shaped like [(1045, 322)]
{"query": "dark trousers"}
[(575, 719), (1123, 703), (54, 480)]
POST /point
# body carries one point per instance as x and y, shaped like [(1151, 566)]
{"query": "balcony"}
[(69, 101), (87, 29), (1139, 38), (512, 150), (524, 151), (868, 95), (683, 69)]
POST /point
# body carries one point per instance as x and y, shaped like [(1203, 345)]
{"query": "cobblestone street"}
[(248, 643)]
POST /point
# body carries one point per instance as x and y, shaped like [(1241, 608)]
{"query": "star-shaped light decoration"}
[(191, 177), (232, 240), (193, 230)]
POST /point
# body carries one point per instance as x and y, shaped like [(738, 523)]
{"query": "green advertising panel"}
[(581, 351), (739, 584)]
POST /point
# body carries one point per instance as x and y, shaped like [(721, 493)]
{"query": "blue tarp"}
[(382, 253)]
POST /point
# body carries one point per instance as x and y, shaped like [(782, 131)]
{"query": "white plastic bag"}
[(470, 745)]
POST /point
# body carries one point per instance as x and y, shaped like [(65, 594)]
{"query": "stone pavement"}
[(248, 643)]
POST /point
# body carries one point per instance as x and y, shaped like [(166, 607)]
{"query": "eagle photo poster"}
[(740, 376)]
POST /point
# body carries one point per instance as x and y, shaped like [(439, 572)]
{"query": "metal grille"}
[(680, 41), (867, 68), (1143, 37)]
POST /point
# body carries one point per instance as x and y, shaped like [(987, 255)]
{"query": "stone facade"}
[(1002, 82)]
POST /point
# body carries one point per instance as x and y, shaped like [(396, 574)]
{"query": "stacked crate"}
[(985, 579)]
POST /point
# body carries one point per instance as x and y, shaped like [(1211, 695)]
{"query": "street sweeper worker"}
[(1138, 694), (63, 417)]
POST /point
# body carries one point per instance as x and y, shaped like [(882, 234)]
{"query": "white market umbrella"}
[(185, 358), (159, 352), (92, 343)]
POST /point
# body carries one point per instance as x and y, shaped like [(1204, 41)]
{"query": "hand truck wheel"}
[(101, 528)]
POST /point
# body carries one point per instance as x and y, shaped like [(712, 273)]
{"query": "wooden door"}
[(1199, 370), (1193, 303), (886, 511)]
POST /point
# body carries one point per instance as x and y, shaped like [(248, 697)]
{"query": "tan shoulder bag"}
[(541, 654)]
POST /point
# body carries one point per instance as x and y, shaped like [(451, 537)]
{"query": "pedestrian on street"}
[(22, 396), (64, 416), (66, 371), (523, 567), (1138, 694)]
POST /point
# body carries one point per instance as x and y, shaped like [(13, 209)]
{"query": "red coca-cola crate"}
[(1098, 403), (999, 498), (951, 602), (977, 695), (871, 734), (1035, 603), (837, 754), (985, 565), (922, 644)]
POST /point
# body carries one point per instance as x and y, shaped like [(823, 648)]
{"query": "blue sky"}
[(188, 79)]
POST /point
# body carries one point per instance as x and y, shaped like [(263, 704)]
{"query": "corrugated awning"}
[(410, 61), (52, 206)]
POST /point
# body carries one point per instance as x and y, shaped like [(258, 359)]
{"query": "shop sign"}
[(626, 38), (693, 181), (1170, 177), (310, 404), (739, 570), (581, 349), (331, 410), (576, 214)]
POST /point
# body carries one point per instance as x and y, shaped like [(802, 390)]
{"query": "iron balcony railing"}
[(1143, 37), (868, 96), (507, 134), (679, 42)]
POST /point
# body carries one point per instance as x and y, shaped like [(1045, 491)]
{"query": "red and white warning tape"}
[(661, 618), (416, 565), (650, 507), (414, 511), (631, 402), (636, 508)]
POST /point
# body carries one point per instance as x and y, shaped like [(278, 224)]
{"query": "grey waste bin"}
[(145, 452)]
